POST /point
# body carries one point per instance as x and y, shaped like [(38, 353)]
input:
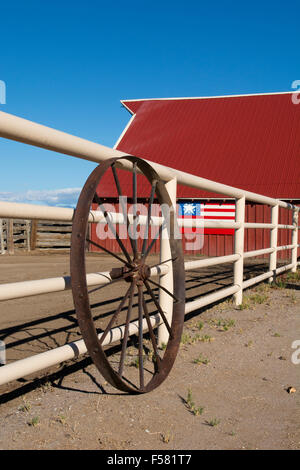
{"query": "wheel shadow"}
[(292, 286)]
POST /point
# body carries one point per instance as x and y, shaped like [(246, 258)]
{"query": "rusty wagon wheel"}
[(139, 301)]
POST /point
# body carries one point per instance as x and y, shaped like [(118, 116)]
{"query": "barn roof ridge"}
[(124, 101)]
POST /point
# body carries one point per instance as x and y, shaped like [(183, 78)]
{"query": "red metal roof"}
[(250, 141)]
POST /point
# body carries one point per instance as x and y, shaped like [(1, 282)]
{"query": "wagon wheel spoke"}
[(113, 281), (125, 215), (114, 317), (152, 336), (134, 198), (163, 288), (109, 223), (146, 234), (162, 262), (140, 309), (126, 331), (108, 251), (150, 292), (158, 234)]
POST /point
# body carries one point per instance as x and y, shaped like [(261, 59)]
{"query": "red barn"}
[(251, 142)]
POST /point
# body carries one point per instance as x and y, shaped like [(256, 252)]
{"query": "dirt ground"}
[(229, 388)]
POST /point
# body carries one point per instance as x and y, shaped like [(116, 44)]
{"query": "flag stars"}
[(189, 209)]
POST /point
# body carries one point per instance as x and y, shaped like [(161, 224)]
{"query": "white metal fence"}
[(18, 129)]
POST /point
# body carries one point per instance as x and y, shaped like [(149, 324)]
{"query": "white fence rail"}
[(18, 129)]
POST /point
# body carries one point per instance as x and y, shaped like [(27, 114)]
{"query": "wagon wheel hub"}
[(138, 271)]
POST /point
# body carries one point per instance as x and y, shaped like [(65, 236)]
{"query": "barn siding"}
[(220, 245)]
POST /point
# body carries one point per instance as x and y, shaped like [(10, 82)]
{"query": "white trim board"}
[(124, 131)]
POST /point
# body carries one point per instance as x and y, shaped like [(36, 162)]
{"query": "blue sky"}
[(67, 64)]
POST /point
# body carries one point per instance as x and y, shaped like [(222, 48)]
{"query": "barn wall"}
[(219, 245)]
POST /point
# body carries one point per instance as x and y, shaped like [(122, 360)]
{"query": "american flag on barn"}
[(206, 211)]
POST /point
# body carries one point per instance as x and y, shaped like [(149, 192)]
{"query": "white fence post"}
[(238, 269), (295, 240), (166, 280), (273, 241)]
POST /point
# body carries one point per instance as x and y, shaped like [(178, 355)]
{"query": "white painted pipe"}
[(262, 277), (32, 364), (250, 254), (288, 227), (268, 226), (210, 298), (203, 263), (284, 247), (16, 290), (282, 269), (22, 130), (15, 210), (118, 218), (256, 279), (258, 225), (211, 223), (28, 132)]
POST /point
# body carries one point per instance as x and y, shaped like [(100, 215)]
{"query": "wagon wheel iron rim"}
[(135, 272)]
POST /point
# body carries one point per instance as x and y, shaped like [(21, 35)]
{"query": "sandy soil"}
[(227, 390)]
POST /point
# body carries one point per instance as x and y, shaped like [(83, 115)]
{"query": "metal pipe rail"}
[(16, 210), (264, 276), (17, 290), (22, 130), (35, 363)]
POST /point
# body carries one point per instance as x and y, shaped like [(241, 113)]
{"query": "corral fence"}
[(30, 235), (14, 233), (18, 129)]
